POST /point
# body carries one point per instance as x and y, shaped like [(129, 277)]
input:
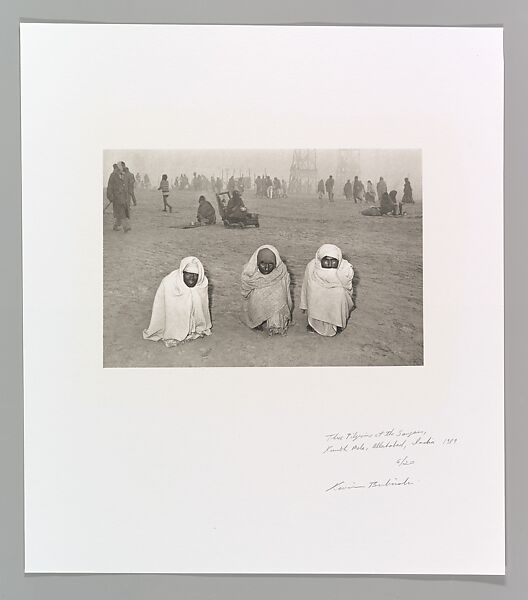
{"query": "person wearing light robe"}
[(266, 292), (327, 293), (181, 306)]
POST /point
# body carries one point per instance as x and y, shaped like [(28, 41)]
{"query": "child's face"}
[(327, 262), (190, 279)]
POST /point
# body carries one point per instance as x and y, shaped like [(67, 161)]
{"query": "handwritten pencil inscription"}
[(403, 450)]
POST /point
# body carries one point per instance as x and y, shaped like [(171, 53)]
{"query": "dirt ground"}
[(385, 329)]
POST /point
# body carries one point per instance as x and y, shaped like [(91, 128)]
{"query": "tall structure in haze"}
[(348, 166), (303, 172)]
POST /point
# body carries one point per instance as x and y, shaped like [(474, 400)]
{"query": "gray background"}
[(513, 15)]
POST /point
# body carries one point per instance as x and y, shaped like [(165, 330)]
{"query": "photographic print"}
[(265, 318), (290, 257)]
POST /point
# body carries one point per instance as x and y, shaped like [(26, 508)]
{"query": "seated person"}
[(397, 207), (327, 291), (235, 207), (386, 205), (206, 214), (181, 306), (266, 291), (372, 211)]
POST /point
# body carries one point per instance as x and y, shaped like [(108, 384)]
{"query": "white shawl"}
[(327, 293), (180, 312)]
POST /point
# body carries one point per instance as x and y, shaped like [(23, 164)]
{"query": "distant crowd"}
[(121, 194), (359, 193), (266, 187)]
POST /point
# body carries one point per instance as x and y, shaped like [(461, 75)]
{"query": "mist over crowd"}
[(368, 164)]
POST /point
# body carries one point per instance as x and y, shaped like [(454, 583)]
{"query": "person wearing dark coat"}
[(386, 205), (347, 190), (235, 207), (407, 192), (358, 190), (329, 185), (117, 193), (381, 188), (206, 213), (394, 202), (131, 181)]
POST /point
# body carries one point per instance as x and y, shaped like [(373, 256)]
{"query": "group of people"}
[(198, 183), (388, 202), (206, 214), (356, 191), (180, 311), (237, 183), (143, 183), (266, 187), (326, 187)]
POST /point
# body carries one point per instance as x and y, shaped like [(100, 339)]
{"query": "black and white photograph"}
[(289, 257), (275, 311)]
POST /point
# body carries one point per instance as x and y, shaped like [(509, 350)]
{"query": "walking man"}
[(131, 181), (329, 185), (118, 194)]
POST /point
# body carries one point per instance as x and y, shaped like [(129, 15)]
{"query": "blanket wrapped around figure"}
[(180, 312), (267, 298), (327, 293)]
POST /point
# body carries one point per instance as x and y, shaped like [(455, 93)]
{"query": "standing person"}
[(381, 188), (269, 187), (370, 195), (358, 190), (276, 188), (347, 190), (258, 187), (327, 292), (146, 181), (321, 189), (407, 192), (117, 194), (164, 187), (329, 185), (284, 189), (131, 181)]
